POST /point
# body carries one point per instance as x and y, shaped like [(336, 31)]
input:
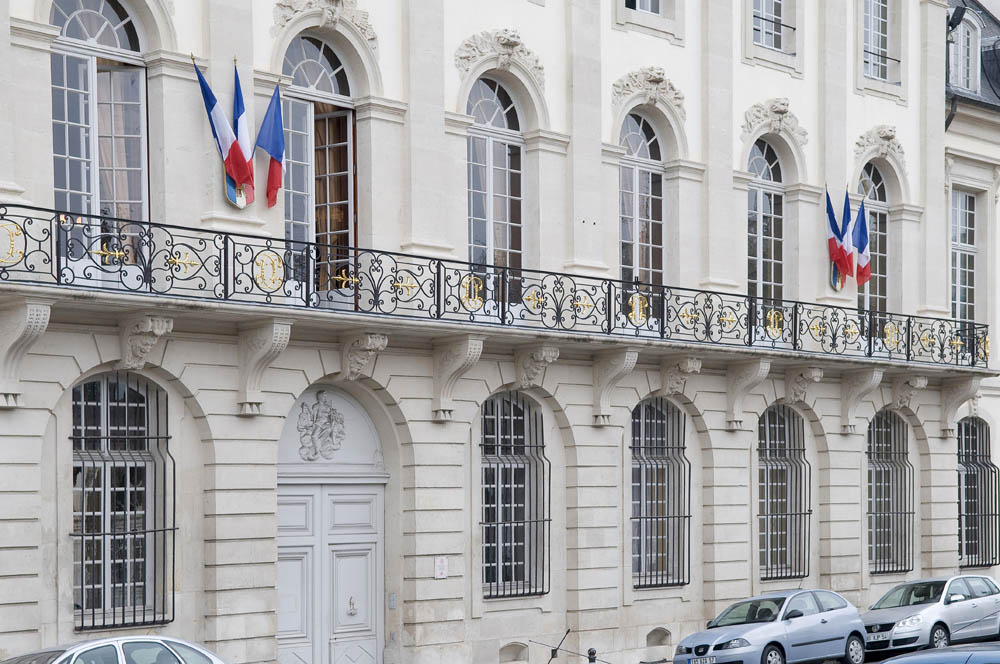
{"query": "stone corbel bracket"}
[(674, 374), (259, 345), (903, 389), (609, 368), (138, 335), (451, 360), (357, 352), (21, 325), (797, 382), (954, 393), (531, 363), (740, 379), (854, 385)]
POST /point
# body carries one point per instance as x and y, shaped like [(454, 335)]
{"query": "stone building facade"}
[(587, 373)]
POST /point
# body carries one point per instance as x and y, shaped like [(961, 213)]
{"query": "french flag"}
[(834, 240), (860, 239), (235, 162), (242, 134), (271, 139), (847, 241)]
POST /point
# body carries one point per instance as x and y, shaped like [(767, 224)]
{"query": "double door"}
[(330, 574)]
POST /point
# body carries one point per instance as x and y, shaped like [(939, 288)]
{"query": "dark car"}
[(978, 653)]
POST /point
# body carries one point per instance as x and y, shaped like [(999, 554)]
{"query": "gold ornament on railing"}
[(956, 343), (186, 262), (270, 272), (890, 336), (984, 348), (344, 277), (775, 323), (107, 254), (818, 328), (471, 288), (851, 332), (689, 316), (728, 319), (13, 232), (534, 299), (409, 286), (638, 305), (927, 341), (582, 304)]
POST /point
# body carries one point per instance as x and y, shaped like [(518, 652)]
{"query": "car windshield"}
[(41, 657), (750, 611), (909, 594)]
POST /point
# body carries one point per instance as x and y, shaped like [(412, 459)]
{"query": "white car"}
[(121, 650)]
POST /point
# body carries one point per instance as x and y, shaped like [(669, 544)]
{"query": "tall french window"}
[(765, 222), (963, 255), (516, 500), (661, 496), (641, 209), (874, 295), (890, 495), (978, 496), (767, 23), (876, 39)]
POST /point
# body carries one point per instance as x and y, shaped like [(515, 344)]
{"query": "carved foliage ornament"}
[(321, 428), (531, 364), (333, 11), (357, 353), (903, 389), (506, 46), (775, 117), (654, 86), (881, 141), (797, 383), (138, 336), (673, 374)]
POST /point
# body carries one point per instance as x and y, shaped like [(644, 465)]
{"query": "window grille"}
[(876, 39), (765, 220), (890, 495), (978, 494), (784, 492), (516, 499), (768, 29), (661, 496), (124, 504)]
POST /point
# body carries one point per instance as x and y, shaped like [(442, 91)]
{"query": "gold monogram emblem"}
[(269, 272), (890, 336), (471, 288), (984, 348), (638, 306), (13, 254), (775, 323)]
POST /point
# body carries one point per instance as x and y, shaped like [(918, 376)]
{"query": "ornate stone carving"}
[(854, 385), (652, 83), (451, 361), (775, 117), (882, 139), (259, 345), (740, 379), (138, 335), (797, 383), (356, 353), (506, 46), (674, 373), (321, 428), (333, 11), (21, 325), (954, 393), (609, 368), (532, 362), (903, 389)]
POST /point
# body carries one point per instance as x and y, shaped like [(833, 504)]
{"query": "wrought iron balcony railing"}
[(48, 247)]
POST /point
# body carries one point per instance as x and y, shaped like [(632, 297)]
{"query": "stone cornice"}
[(30, 34)]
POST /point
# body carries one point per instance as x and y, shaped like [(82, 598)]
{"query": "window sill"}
[(887, 90), (651, 24), (789, 63)]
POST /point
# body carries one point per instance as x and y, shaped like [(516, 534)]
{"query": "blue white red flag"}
[(860, 239), (271, 138), (834, 240), (847, 242), (225, 139), (241, 196)]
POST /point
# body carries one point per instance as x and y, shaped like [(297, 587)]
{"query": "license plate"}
[(879, 637), (703, 660)]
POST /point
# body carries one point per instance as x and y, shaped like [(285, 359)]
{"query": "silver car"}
[(792, 626), (122, 650), (934, 613)]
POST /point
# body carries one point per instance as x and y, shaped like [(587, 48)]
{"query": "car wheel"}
[(855, 651), (772, 655), (939, 637)]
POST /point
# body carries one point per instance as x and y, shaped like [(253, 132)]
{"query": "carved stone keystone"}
[(259, 345), (854, 385), (531, 364), (505, 46), (21, 325), (954, 393), (740, 379), (609, 368), (356, 353), (451, 360), (674, 373), (797, 383), (138, 335), (903, 389)]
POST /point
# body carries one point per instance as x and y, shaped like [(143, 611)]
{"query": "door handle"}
[(823, 620)]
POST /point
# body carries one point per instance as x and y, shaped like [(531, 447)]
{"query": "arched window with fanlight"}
[(319, 182), (874, 295), (978, 496), (765, 225), (890, 495), (641, 202)]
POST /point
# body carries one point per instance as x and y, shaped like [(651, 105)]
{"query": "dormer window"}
[(963, 54)]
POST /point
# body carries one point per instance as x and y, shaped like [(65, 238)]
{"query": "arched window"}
[(495, 178), (641, 202), (661, 496), (874, 295), (98, 111), (765, 224), (319, 182), (784, 494), (890, 495), (123, 503), (963, 54), (515, 498), (978, 496)]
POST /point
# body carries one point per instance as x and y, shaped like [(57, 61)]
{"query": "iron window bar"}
[(890, 495), (661, 496), (516, 498), (773, 21), (784, 487), (880, 56), (978, 496), (43, 247)]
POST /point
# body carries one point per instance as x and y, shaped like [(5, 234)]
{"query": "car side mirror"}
[(793, 614), (708, 625), (957, 597)]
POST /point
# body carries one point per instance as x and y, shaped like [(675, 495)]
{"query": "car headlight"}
[(682, 650), (734, 643), (909, 623)]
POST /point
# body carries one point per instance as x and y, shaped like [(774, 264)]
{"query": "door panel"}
[(354, 589)]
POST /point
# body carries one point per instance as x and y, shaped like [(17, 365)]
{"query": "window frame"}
[(667, 24), (963, 249), (760, 189), (975, 463), (895, 85), (878, 242), (890, 432), (972, 30), (638, 167)]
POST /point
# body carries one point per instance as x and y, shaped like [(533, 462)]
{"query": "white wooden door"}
[(330, 574)]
